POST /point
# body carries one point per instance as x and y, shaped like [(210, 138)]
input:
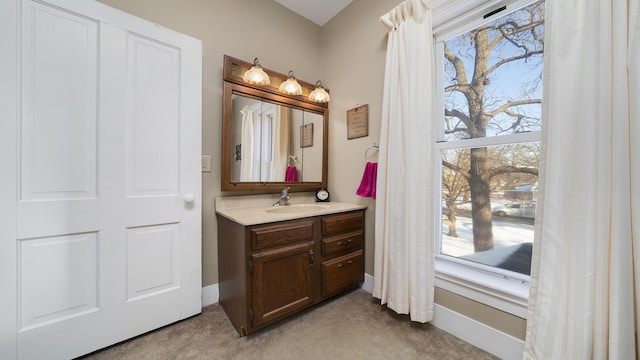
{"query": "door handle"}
[(189, 198)]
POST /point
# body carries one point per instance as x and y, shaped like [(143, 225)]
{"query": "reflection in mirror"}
[(275, 143), (270, 140), (312, 155)]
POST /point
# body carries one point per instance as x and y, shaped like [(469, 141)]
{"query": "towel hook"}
[(293, 159), (374, 146)]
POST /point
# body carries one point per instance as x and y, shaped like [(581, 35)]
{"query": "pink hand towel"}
[(374, 178), (363, 189), (291, 175), (367, 186)]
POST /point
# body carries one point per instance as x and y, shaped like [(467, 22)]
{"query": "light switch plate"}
[(206, 163)]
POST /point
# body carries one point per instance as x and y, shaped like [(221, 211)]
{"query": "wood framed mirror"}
[(271, 140)]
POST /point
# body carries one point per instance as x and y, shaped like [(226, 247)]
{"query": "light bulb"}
[(291, 86), (256, 75), (319, 94)]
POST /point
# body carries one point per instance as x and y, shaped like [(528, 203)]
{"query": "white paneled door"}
[(101, 189)]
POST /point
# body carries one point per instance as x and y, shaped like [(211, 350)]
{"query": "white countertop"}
[(259, 209)]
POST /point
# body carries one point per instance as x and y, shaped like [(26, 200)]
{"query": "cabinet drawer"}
[(337, 243), (281, 233), (343, 222), (342, 272)]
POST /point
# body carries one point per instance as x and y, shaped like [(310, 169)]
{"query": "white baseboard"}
[(210, 295), (474, 332), (368, 283), (478, 334)]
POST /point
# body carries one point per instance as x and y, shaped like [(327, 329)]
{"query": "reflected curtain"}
[(585, 276), (280, 144), (264, 134), (249, 168), (404, 219)]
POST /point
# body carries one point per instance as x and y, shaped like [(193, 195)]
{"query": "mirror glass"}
[(275, 143), (271, 140)]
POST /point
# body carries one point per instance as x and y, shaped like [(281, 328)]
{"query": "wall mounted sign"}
[(306, 135), (358, 122)]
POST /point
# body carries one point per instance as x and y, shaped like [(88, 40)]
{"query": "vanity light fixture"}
[(319, 94), (256, 75), (291, 86)]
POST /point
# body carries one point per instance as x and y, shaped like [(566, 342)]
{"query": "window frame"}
[(499, 288)]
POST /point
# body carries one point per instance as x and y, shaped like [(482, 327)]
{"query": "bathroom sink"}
[(297, 209)]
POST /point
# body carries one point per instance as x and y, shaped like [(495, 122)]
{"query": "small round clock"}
[(322, 195)]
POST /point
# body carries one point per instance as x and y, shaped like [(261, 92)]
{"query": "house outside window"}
[(488, 138)]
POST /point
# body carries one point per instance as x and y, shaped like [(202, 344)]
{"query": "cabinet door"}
[(282, 282)]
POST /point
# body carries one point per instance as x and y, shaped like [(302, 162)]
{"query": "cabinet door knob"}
[(189, 198), (340, 243)]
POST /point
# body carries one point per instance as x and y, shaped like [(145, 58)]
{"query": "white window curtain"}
[(586, 273), (404, 228)]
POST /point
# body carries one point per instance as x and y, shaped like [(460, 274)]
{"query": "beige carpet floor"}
[(350, 326)]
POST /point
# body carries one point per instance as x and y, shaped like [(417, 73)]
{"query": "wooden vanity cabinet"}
[(270, 271)]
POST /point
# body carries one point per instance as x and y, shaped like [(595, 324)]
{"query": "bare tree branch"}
[(519, 118), (519, 29), (463, 172), (464, 88), (510, 104), (471, 126), (456, 129), (457, 114), (461, 73), (536, 36), (513, 58), (490, 173), (507, 37)]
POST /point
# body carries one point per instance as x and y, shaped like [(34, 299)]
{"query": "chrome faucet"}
[(284, 198)]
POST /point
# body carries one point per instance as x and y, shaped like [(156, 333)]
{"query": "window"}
[(489, 137)]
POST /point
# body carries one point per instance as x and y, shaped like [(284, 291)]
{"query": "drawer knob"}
[(344, 265), (340, 243)]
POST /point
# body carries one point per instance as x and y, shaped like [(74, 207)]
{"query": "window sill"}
[(508, 295)]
